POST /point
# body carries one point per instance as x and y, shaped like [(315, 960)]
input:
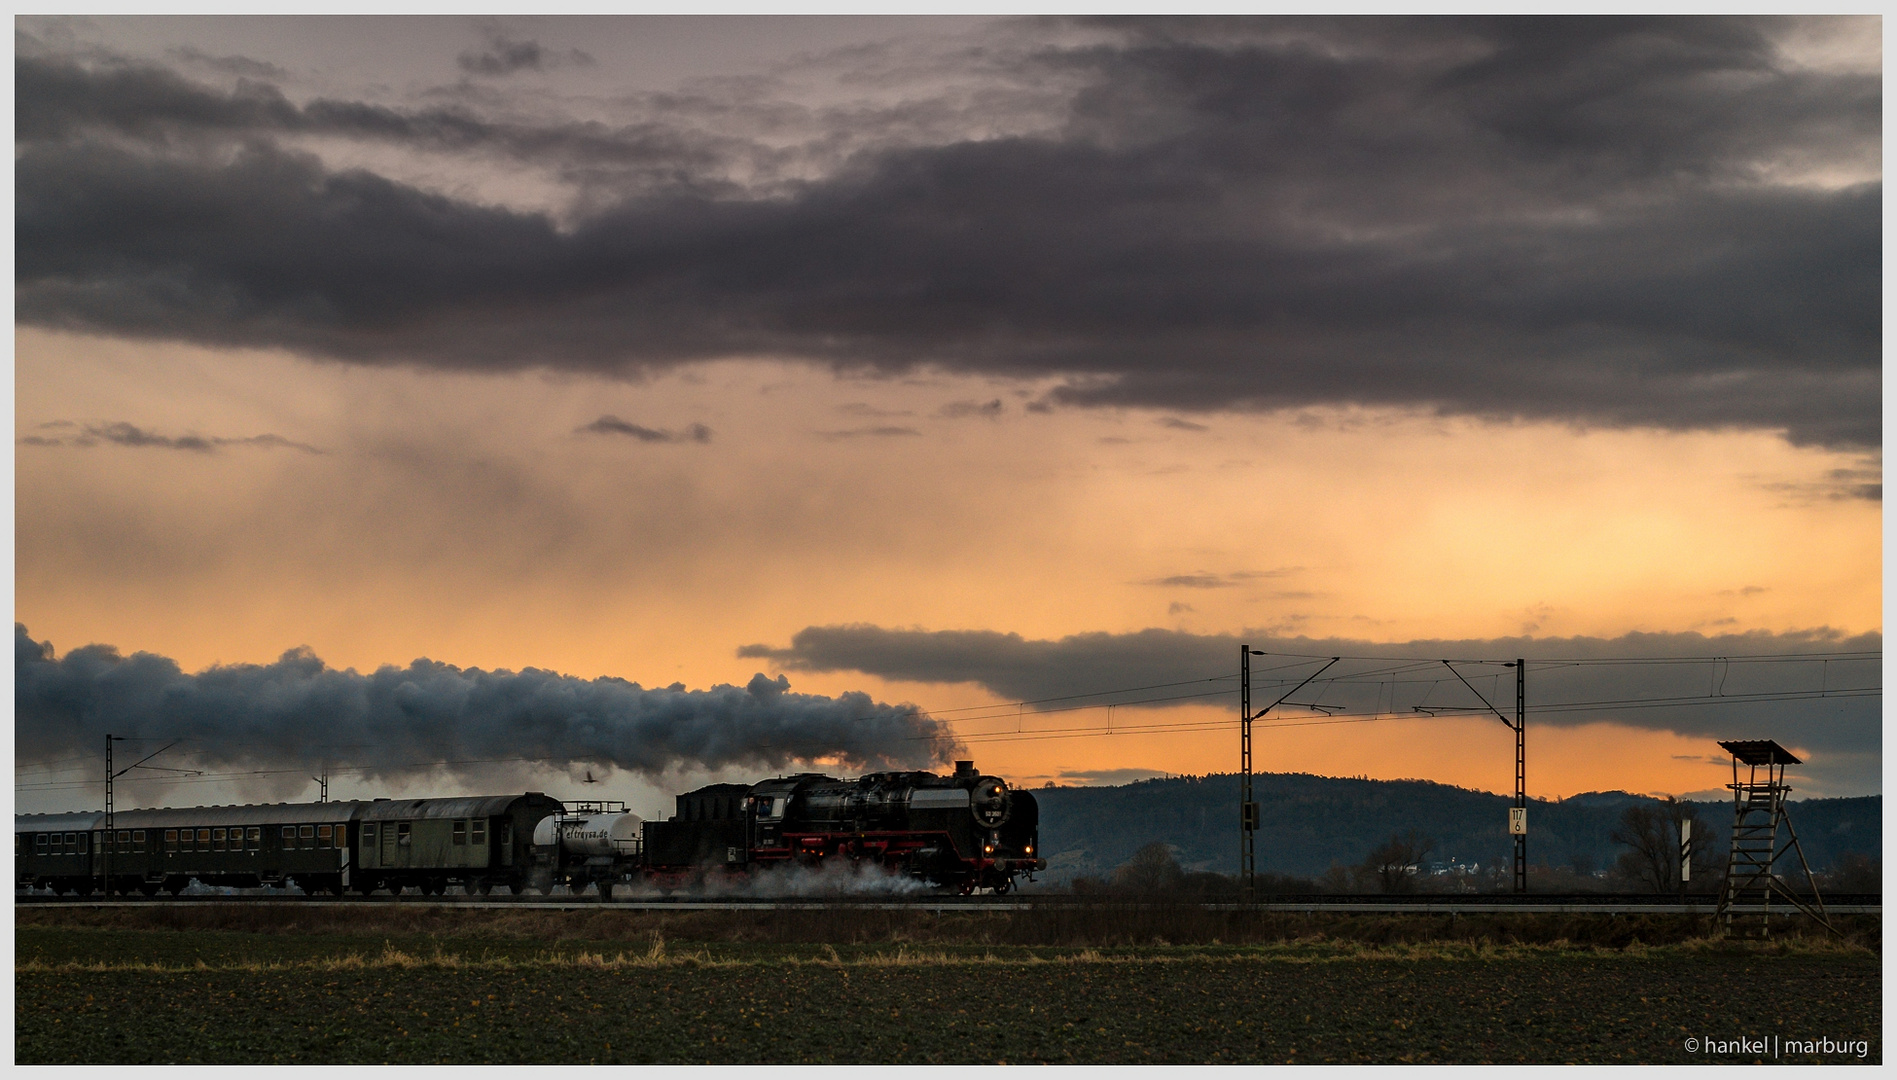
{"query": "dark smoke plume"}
[(394, 723)]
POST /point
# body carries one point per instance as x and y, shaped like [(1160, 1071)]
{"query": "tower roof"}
[(1760, 752)]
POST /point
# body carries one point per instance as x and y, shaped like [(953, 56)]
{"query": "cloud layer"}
[(392, 723), (1570, 681), (1602, 221)]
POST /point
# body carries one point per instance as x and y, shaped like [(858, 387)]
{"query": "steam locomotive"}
[(962, 832)]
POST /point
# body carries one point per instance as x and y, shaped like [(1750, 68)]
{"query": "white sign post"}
[(1518, 821)]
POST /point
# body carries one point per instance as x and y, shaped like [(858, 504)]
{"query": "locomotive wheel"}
[(605, 890)]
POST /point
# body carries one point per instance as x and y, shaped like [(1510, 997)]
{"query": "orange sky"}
[(615, 346), (462, 519)]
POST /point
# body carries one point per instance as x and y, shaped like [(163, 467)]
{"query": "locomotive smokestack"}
[(964, 768)]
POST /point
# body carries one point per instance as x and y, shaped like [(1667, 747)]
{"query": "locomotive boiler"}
[(964, 831)]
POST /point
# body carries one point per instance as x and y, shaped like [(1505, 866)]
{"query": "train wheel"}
[(485, 887), (149, 888), (174, 886), (516, 887), (605, 890)]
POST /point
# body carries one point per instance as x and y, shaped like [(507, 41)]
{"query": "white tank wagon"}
[(598, 848)]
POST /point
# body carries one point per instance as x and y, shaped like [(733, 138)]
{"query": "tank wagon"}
[(964, 831)]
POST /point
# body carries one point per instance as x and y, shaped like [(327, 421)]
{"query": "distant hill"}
[(1311, 822)]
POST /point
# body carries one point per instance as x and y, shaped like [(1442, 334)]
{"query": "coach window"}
[(368, 835), (171, 839), (308, 836), (72, 841), (401, 833), (125, 840), (324, 836), (39, 841), (461, 834), (184, 839), (204, 839), (217, 839), (253, 837), (477, 832), (138, 839)]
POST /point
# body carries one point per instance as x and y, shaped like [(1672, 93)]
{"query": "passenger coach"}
[(425, 844)]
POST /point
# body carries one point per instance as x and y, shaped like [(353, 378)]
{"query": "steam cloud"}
[(391, 724)]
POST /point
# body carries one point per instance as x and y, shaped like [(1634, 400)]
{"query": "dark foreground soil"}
[(126, 995)]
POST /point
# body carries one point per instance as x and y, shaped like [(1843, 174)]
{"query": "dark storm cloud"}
[(505, 56), (242, 66), (121, 433), (298, 713), (1564, 676), (1581, 220), (613, 425)]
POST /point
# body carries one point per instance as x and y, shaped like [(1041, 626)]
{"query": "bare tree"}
[(1395, 863), (1855, 872), (1651, 834), (1152, 869)]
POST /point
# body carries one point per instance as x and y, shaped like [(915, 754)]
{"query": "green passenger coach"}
[(327, 847)]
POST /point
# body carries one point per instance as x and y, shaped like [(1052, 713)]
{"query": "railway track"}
[(1365, 905)]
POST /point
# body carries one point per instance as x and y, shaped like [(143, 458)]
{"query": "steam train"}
[(963, 832)]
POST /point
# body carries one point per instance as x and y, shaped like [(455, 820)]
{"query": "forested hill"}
[(1311, 822)]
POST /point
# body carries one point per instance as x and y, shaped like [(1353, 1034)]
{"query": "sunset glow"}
[(665, 471)]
